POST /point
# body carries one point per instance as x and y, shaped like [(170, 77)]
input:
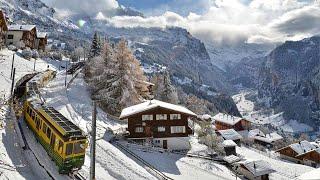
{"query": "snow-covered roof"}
[(269, 138), (311, 175), (230, 134), (231, 159), (226, 118), (151, 104), (302, 147), (21, 27), (229, 143), (255, 132), (205, 117), (41, 34), (258, 168)]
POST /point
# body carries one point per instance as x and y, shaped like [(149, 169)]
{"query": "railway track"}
[(151, 167)]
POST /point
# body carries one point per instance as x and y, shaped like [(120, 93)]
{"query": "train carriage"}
[(64, 142)]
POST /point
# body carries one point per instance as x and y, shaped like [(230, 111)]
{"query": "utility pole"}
[(12, 66), (12, 83), (65, 79), (93, 142), (34, 65)]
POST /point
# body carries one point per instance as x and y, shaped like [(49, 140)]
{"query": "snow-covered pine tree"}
[(96, 46), (164, 89)]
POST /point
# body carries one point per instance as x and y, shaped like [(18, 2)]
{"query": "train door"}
[(52, 141)]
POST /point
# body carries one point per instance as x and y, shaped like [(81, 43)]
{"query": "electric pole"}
[(12, 83), (12, 66), (65, 79), (93, 142), (34, 65)]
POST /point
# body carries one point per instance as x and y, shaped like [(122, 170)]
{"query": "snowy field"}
[(180, 167), (246, 108)]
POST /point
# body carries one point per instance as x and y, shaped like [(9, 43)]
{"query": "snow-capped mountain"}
[(224, 55), (289, 78)]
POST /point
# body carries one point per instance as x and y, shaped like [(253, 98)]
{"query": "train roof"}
[(65, 126)]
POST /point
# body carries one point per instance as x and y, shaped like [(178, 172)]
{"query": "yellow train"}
[(64, 142)]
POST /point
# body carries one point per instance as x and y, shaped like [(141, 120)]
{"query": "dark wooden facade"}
[(42, 43), (239, 126), (313, 157), (150, 127), (230, 150), (29, 38)]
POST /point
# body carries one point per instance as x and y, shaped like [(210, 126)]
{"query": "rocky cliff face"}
[(290, 80)]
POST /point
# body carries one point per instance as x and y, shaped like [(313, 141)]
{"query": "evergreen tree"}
[(96, 46), (164, 90)]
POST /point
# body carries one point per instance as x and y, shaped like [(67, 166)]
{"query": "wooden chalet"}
[(224, 121), (3, 26), (22, 36), (310, 158), (294, 151), (255, 170), (264, 139), (41, 41), (163, 124)]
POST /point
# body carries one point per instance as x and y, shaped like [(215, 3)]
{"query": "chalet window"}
[(138, 129), (178, 129), (161, 129), (161, 117), (10, 36), (175, 116), (157, 141), (147, 117)]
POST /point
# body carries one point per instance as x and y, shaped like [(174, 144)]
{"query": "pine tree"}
[(164, 90), (96, 46)]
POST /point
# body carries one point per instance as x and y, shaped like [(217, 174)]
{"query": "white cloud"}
[(224, 21), (88, 7)]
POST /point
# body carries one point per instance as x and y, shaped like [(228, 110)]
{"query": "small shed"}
[(255, 170), (231, 159), (230, 134), (229, 147)]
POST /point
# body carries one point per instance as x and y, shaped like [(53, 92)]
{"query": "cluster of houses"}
[(167, 125), (21, 36)]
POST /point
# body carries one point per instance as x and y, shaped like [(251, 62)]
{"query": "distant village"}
[(168, 126)]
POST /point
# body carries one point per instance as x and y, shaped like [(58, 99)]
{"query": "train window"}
[(32, 115), (69, 149), (60, 145), (78, 148), (49, 133), (44, 128)]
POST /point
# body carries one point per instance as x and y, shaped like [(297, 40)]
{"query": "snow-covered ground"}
[(246, 108), (16, 163), (285, 170), (76, 105), (181, 167)]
